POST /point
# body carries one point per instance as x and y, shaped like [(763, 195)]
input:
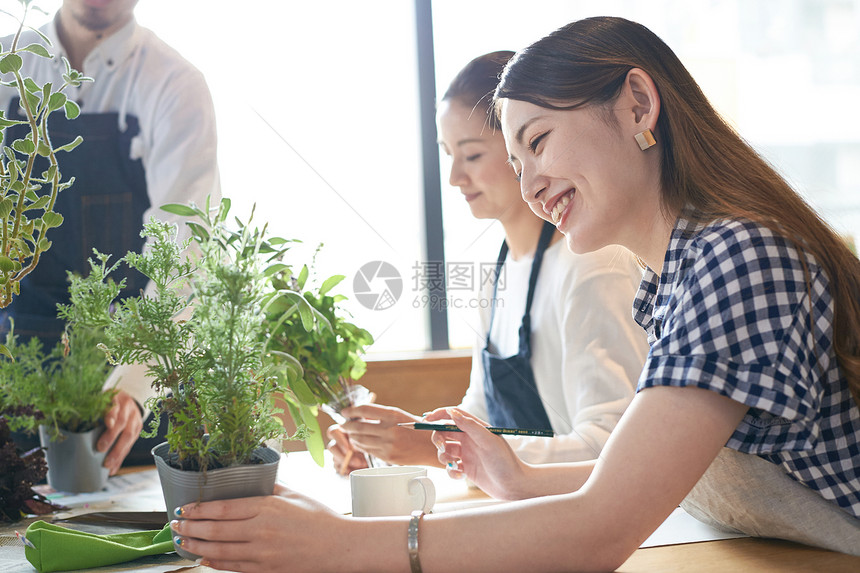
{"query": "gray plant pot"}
[(74, 465), (180, 487)]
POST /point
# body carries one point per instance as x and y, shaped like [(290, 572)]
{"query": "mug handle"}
[(427, 488)]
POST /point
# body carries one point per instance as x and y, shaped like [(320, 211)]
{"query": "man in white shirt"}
[(148, 125)]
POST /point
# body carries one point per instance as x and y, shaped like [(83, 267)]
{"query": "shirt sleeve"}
[(738, 323), (602, 352), (179, 155)]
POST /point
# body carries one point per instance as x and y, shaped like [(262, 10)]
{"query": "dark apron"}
[(103, 209), (509, 383)]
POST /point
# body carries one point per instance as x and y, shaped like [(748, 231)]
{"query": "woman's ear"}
[(643, 97)]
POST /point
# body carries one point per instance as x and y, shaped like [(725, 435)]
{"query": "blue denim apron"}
[(510, 390), (103, 209)]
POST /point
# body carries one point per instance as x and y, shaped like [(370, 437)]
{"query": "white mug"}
[(392, 490)]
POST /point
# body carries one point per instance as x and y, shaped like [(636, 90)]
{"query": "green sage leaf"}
[(71, 145), (52, 219), (37, 49), (72, 109), (25, 146), (56, 101), (10, 63)]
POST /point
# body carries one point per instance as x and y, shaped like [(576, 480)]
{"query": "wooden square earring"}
[(645, 139)]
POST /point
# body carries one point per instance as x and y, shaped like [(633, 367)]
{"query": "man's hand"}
[(123, 421)]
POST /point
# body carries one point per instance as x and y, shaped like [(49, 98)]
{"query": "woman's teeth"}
[(559, 207)]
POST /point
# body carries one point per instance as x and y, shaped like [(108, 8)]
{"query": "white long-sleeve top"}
[(587, 351), (137, 74)]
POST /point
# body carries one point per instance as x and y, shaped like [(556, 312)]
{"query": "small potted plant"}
[(314, 330), (27, 200), (202, 334), (65, 388)]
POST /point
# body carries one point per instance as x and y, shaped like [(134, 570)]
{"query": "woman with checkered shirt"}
[(747, 409)]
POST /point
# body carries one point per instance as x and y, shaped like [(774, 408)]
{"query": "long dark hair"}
[(474, 85), (705, 164)]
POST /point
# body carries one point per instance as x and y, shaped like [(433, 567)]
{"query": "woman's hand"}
[(479, 455), (374, 429), (343, 453), (283, 532)]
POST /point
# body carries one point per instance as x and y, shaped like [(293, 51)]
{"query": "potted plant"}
[(313, 329), (65, 386), (27, 201), (202, 334)]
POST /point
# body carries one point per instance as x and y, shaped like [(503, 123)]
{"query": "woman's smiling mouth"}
[(560, 205)]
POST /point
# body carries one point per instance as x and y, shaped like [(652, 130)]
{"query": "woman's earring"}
[(645, 139)]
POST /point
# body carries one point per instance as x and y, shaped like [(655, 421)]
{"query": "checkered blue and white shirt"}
[(731, 313)]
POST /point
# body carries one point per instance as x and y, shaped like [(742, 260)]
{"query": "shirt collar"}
[(654, 291), (113, 51)]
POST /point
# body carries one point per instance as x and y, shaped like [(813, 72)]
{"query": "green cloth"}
[(62, 549)]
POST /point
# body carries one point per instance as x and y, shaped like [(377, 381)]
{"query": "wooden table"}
[(298, 471)]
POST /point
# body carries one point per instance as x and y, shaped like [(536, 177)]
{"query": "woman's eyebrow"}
[(521, 131)]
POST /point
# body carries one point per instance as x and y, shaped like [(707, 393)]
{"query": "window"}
[(318, 118)]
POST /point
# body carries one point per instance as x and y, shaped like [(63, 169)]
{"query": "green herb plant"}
[(65, 385), (314, 329), (27, 200), (202, 333)]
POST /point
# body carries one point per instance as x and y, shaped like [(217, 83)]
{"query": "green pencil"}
[(452, 428)]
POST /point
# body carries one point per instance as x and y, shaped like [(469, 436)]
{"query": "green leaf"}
[(44, 245), (224, 209), (32, 100), (31, 86), (330, 283), (71, 145), (302, 391), (25, 146), (181, 210), (52, 219), (39, 203), (198, 230), (314, 439), (56, 101), (10, 63), (72, 109), (37, 49), (274, 269), (307, 317), (4, 123), (6, 206), (7, 265), (303, 277)]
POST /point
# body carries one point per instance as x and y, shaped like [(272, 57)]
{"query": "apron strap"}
[(525, 329)]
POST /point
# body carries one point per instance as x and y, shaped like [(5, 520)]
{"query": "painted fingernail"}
[(452, 466), (178, 512), (178, 541), (174, 524)]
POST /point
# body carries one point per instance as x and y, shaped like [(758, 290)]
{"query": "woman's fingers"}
[(227, 509)]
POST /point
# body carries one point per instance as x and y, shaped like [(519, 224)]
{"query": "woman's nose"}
[(457, 177), (531, 187)]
